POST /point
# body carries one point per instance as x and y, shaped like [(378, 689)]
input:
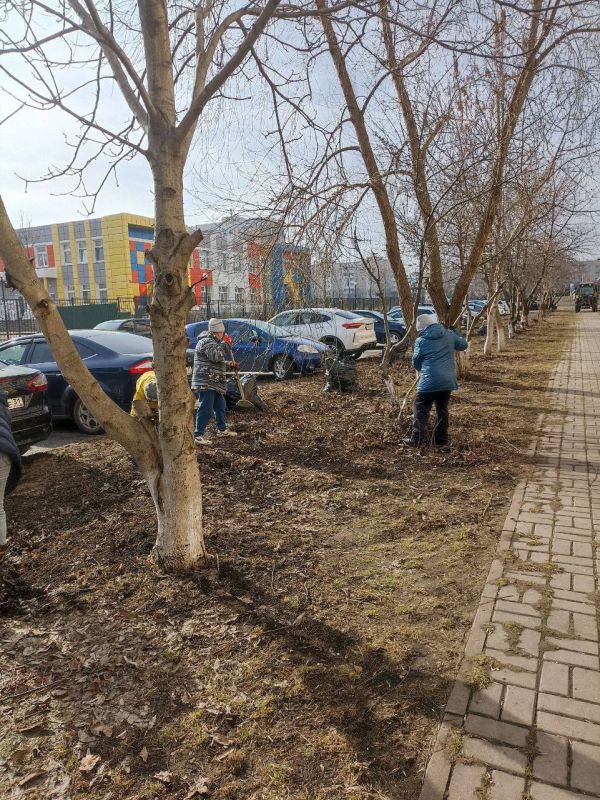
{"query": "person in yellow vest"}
[(145, 398)]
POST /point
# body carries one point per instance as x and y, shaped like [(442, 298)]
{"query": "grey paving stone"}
[(585, 770), (552, 763), (466, 780), (494, 755)]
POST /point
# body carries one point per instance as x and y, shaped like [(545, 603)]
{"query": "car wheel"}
[(355, 354), (283, 368), (84, 420), (395, 338), (336, 348)]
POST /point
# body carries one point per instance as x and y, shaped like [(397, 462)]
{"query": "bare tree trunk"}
[(491, 329), (180, 541), (463, 362), (167, 467), (501, 332), (378, 186)]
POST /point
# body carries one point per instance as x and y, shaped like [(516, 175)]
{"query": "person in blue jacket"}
[(434, 359), (10, 465)]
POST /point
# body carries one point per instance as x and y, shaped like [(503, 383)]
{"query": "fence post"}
[(5, 312)]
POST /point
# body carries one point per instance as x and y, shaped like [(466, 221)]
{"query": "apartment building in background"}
[(240, 262), (349, 279)]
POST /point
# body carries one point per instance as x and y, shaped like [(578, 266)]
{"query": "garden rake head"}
[(242, 402)]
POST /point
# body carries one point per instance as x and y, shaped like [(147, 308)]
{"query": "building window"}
[(205, 294), (71, 295), (254, 297), (102, 293), (65, 253), (223, 294), (204, 259), (82, 255), (41, 255), (239, 295), (98, 250), (236, 261), (86, 295)]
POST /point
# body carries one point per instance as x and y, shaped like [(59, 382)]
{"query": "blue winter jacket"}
[(433, 357), (8, 446)]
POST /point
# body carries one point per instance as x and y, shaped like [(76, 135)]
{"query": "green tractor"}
[(586, 296)]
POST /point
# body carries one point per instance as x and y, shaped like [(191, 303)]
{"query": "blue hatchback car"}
[(397, 328), (262, 347), (115, 359)]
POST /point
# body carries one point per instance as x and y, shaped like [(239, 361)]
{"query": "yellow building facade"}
[(93, 260), (106, 259)]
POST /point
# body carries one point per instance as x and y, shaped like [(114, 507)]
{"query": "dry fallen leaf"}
[(199, 789), (164, 776), (36, 728), (226, 754), (100, 729), (31, 777), (224, 741), (88, 762), (144, 754)]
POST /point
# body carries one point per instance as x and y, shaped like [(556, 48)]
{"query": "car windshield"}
[(347, 314), (272, 330), (125, 343), (375, 314), (397, 314)]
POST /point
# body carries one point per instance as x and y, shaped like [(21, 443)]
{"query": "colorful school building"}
[(241, 262)]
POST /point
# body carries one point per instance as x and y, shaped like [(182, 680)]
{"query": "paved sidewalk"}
[(533, 732)]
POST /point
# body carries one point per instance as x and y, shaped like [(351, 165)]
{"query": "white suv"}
[(349, 333)]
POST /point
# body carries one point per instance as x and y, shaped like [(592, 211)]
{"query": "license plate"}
[(15, 402)]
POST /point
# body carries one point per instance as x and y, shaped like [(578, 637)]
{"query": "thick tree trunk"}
[(167, 460), (178, 494)]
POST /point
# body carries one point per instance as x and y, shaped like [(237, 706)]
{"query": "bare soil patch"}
[(313, 660)]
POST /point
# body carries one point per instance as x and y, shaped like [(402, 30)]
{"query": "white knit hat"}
[(216, 326), (424, 321)]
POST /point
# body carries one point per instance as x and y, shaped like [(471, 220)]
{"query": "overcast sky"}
[(232, 163)]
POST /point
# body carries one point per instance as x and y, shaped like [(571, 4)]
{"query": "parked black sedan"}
[(27, 398), (397, 329), (115, 359)]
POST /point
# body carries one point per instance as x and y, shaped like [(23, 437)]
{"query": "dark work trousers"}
[(211, 404), (421, 411)]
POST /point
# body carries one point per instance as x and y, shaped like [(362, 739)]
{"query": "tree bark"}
[(463, 362), (501, 333), (170, 470), (377, 182), (491, 329)]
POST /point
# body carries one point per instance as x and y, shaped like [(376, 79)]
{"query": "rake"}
[(242, 402)]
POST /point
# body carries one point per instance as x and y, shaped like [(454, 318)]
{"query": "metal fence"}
[(267, 310), (16, 318)]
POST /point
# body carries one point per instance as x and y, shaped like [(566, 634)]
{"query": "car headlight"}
[(307, 348)]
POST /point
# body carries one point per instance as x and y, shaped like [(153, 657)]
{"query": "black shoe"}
[(410, 443), (443, 448)]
